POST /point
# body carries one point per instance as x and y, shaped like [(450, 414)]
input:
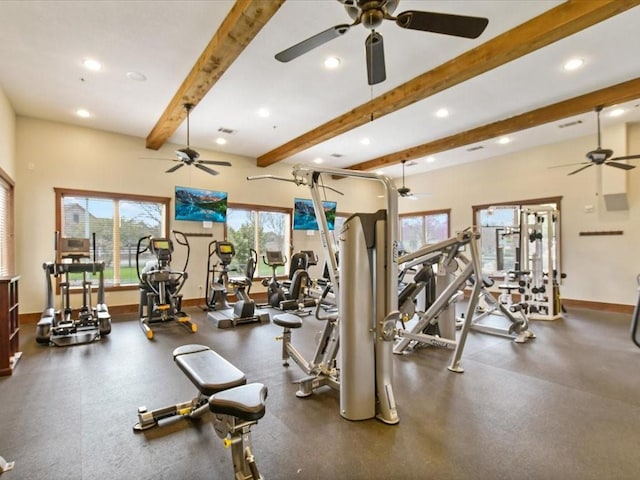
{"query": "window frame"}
[(60, 193), (9, 217), (268, 209), (423, 214)]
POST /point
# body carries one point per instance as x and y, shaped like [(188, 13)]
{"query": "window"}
[(420, 228), (118, 222), (260, 228), (6, 225), (500, 229)]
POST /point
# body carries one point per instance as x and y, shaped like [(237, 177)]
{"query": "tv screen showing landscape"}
[(304, 217), (200, 205)]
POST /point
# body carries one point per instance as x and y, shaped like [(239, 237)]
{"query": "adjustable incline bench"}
[(223, 390)]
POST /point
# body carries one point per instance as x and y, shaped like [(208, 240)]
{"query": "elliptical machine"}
[(244, 309), (160, 298), (58, 327)]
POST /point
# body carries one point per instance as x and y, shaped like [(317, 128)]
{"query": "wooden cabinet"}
[(9, 325)]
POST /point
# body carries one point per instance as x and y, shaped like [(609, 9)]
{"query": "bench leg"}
[(236, 433), (194, 408)]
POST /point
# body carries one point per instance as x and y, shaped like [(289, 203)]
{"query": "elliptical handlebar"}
[(140, 252), (182, 239)]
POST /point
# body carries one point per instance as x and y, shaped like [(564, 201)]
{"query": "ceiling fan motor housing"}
[(370, 13)]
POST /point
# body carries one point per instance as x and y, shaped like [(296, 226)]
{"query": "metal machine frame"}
[(58, 327), (441, 311), (538, 245), (160, 298), (366, 289)]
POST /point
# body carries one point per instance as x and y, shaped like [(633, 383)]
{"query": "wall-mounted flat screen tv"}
[(200, 205), (304, 217)]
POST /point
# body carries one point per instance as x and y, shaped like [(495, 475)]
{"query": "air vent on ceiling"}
[(228, 131), (411, 163), (570, 124), (336, 155), (473, 149)]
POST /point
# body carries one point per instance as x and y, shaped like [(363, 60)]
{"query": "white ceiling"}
[(43, 44)]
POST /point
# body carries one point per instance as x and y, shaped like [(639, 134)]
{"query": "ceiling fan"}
[(405, 191), (188, 156), (601, 156), (371, 13)]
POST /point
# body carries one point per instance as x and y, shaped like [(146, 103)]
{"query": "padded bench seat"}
[(207, 370), (246, 401), (287, 320)]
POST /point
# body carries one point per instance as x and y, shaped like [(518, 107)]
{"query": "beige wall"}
[(599, 268), (48, 155), (57, 155), (7, 136)]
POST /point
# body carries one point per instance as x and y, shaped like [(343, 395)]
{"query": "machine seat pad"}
[(287, 320), (239, 281), (207, 370), (246, 402)]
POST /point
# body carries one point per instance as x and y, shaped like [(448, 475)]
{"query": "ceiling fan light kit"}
[(371, 14)]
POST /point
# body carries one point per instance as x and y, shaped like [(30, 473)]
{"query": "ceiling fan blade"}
[(626, 157), (215, 162), (571, 164), (374, 47), (623, 166), (445, 23), (580, 169), (312, 42), (206, 169), (175, 167)]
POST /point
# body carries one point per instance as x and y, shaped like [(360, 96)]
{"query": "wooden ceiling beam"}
[(245, 19), (622, 92), (559, 22)]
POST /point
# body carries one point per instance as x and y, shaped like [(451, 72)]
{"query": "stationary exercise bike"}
[(244, 309), (289, 294), (160, 298), (59, 327)]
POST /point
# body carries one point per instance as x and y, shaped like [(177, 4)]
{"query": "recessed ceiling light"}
[(331, 63), (616, 112), (573, 64), (263, 112), (504, 140), (221, 141), (430, 159), (83, 113), (365, 141), (91, 64), (137, 76), (318, 160), (442, 113)]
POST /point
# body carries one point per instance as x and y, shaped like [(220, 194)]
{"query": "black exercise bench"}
[(223, 390)]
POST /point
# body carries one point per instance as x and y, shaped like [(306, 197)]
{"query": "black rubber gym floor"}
[(563, 406)]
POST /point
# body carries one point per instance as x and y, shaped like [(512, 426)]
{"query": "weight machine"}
[(366, 290), (160, 298), (540, 254), (440, 310), (244, 309), (59, 327)]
